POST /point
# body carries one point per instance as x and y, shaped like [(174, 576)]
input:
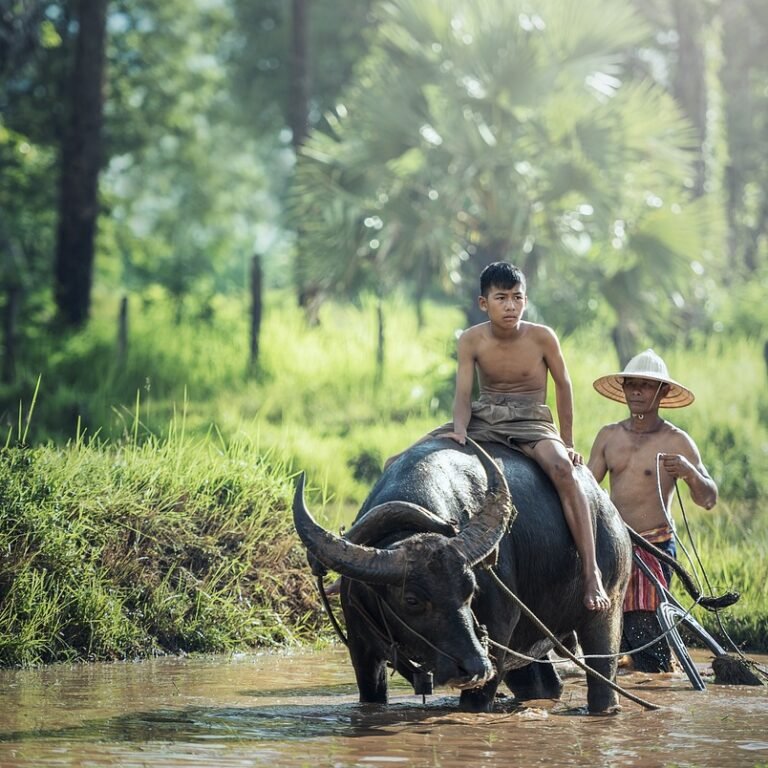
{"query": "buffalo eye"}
[(413, 603)]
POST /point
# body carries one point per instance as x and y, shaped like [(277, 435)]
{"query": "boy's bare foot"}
[(595, 596), (334, 588)]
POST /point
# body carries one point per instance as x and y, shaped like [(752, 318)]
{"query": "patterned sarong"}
[(641, 593), (508, 420)]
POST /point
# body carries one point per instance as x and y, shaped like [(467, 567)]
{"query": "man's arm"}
[(553, 357), (465, 377), (688, 466)]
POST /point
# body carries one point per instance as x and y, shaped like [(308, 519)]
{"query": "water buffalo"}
[(417, 593)]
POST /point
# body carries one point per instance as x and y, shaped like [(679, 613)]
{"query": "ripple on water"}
[(300, 710)]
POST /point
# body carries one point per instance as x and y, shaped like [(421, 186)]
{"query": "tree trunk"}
[(625, 341), (690, 77), (79, 168), (736, 77), (299, 106), (10, 332), (496, 250), (308, 294), (257, 292), (379, 339), (122, 333)]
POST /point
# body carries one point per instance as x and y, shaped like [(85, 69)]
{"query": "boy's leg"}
[(553, 458)]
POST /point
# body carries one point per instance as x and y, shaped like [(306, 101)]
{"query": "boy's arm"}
[(597, 464), (465, 377), (553, 357)]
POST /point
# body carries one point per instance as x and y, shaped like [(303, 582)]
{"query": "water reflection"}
[(300, 709)]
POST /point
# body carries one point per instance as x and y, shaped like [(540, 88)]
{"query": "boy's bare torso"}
[(638, 482), (510, 363)]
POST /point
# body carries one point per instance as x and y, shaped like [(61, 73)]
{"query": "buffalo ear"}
[(398, 517)]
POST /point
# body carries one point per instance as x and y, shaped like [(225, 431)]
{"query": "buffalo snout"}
[(472, 675)]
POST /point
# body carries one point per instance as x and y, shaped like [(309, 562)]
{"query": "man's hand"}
[(459, 437), (677, 466)]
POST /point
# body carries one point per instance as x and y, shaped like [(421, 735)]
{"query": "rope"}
[(671, 522), (716, 611), (329, 611), (704, 574), (583, 656), (563, 650)]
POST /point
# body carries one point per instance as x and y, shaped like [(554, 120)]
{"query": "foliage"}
[(27, 224), (190, 470), (260, 57), (144, 549), (464, 140)]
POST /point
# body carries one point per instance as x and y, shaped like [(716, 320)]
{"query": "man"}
[(643, 456)]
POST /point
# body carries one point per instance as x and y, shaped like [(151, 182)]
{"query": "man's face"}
[(643, 395), (505, 306)]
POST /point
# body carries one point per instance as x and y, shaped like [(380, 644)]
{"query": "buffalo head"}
[(411, 580)]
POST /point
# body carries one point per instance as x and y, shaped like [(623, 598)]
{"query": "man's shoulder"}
[(609, 430), (673, 432)]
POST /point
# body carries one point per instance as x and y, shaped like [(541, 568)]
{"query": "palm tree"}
[(477, 131)]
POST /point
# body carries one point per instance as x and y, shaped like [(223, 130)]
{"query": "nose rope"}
[(388, 638), (383, 604)]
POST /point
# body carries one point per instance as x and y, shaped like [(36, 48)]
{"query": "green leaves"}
[(489, 123)]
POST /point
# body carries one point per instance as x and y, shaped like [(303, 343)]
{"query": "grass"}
[(145, 503), (116, 551)]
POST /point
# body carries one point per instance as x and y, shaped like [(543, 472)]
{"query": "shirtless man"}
[(643, 456), (513, 359)]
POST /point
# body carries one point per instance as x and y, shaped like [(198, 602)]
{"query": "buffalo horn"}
[(374, 566), (484, 531)]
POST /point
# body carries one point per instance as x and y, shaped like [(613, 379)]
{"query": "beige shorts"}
[(508, 420)]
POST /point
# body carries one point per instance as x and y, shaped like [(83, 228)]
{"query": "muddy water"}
[(300, 709)]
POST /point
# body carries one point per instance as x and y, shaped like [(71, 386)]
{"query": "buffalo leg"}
[(479, 699), (534, 681), (601, 637), (370, 673)]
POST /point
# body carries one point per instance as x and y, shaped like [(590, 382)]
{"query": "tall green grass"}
[(151, 437), (115, 551)]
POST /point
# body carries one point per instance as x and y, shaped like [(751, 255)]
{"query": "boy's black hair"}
[(502, 274)]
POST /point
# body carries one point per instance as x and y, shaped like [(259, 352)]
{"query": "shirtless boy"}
[(643, 455), (513, 359)]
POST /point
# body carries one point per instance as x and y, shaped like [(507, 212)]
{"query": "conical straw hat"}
[(646, 365)]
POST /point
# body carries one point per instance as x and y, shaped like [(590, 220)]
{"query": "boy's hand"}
[(574, 456), (459, 437)]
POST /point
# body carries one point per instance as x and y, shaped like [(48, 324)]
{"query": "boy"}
[(643, 455), (513, 359)]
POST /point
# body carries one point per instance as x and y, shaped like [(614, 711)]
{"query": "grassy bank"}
[(132, 550), (151, 513)]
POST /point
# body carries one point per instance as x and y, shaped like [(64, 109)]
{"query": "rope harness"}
[(424, 677)]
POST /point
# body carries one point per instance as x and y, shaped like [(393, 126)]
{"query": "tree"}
[(305, 53), (745, 79), (80, 166), (479, 132)]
